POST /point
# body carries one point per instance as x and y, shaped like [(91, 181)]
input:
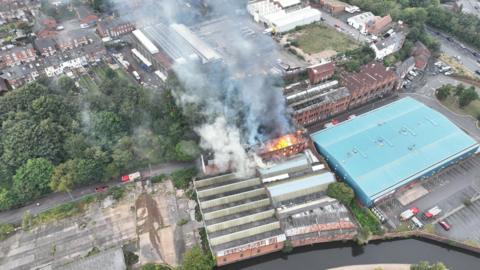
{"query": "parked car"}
[(477, 71), (322, 19), (101, 188), (475, 54), (444, 225)]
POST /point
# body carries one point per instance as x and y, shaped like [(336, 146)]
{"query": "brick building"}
[(86, 16), (331, 98), (421, 54), (321, 105), (45, 46), (378, 25), (333, 6), (17, 56), (72, 39), (16, 76), (372, 81), (114, 28), (320, 72)]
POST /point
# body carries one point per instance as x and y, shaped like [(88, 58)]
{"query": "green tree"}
[(26, 138), (196, 259), (443, 92), (74, 172), (7, 199), (66, 85), (32, 179), (187, 150), (341, 192), (467, 96)]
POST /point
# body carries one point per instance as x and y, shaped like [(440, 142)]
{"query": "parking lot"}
[(448, 190), (464, 224)]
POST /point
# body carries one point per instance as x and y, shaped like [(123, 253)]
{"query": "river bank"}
[(399, 248), (374, 266)]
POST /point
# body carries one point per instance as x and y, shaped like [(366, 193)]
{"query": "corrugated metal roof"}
[(303, 183), (145, 41), (392, 145), (283, 167)]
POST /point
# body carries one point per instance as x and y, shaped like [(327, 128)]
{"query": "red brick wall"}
[(247, 254)]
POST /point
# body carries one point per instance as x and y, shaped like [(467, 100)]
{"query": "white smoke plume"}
[(238, 101)]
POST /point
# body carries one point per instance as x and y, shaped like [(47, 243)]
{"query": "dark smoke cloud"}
[(238, 99)]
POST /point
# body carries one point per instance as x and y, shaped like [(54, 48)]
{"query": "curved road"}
[(14, 216)]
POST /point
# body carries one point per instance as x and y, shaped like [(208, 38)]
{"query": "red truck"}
[(131, 177)]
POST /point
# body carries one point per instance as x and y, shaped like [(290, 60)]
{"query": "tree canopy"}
[(55, 136), (196, 259), (341, 192)]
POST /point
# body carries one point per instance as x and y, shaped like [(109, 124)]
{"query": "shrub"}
[(116, 192), (5, 230), (366, 219), (130, 257), (159, 178), (181, 178), (182, 222)]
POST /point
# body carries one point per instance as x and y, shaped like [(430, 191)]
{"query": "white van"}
[(417, 222)]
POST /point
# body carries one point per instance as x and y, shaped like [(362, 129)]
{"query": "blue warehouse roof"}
[(386, 148)]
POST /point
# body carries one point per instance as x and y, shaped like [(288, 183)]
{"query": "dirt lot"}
[(146, 219)]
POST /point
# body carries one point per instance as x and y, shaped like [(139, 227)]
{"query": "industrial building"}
[(239, 219), (245, 217), (381, 151), (318, 103), (371, 82), (165, 46), (282, 15)]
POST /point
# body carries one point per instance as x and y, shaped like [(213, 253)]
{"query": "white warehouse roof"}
[(283, 21), (288, 3), (362, 18), (145, 41), (203, 49)]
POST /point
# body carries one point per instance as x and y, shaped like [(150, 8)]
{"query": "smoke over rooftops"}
[(237, 99)]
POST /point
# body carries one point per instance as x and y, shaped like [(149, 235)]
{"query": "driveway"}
[(54, 199)]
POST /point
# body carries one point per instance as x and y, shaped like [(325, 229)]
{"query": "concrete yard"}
[(449, 190), (145, 219)]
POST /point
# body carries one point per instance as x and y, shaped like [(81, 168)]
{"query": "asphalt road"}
[(54, 199), (470, 6), (455, 48)]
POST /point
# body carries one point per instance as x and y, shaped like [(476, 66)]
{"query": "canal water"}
[(323, 256)]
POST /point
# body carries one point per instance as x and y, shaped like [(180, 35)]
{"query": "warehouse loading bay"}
[(455, 190)]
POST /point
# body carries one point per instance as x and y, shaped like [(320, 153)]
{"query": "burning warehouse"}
[(249, 216), (286, 145)]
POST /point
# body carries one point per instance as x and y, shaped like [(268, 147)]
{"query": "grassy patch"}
[(366, 219), (316, 38), (472, 109), (87, 83)]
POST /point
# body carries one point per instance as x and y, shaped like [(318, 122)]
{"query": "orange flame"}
[(282, 142)]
